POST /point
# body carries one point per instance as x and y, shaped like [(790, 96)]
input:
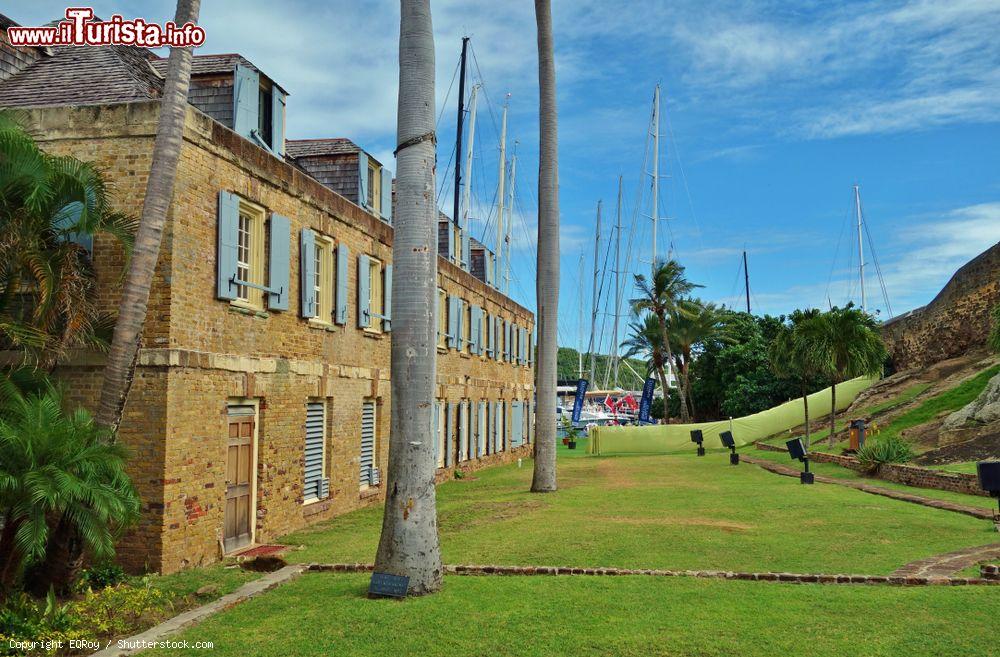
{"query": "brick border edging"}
[(908, 475), (789, 578)]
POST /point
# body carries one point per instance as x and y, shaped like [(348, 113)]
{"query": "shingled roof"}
[(84, 76), (213, 64), (315, 147)]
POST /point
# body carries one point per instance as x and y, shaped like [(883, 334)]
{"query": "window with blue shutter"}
[(476, 330), (481, 429), (364, 292), (497, 334), (531, 422), (277, 121), (246, 100), (387, 195), (314, 485), (369, 473), (460, 324), (363, 179), (387, 298), (522, 347), (449, 435), (280, 263), (463, 431), (307, 271), (466, 250), (228, 227), (516, 424), (453, 322), (343, 255)]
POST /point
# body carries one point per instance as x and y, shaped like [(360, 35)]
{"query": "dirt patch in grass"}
[(486, 513), (724, 525), (616, 475)]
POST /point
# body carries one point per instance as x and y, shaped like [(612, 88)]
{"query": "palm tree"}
[(848, 344), (547, 284), (691, 324), (60, 478), (50, 207), (791, 356), (661, 297), (159, 193), (646, 341), (409, 542)]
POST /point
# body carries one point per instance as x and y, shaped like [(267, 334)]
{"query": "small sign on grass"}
[(384, 585)]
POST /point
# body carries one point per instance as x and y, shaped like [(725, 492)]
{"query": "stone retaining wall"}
[(909, 475)]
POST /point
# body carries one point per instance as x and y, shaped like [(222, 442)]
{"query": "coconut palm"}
[(63, 489), (159, 193), (848, 344), (662, 296), (791, 356), (50, 210), (547, 283), (692, 324), (645, 340), (409, 542)]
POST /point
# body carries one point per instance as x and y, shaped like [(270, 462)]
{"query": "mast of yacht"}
[(656, 166), (501, 195), (467, 195), (510, 221), (594, 302), (579, 324), (746, 279), (618, 287), (861, 252), (455, 217)]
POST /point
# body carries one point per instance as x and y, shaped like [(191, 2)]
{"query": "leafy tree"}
[(646, 339), (60, 478), (50, 207), (661, 296), (689, 328), (847, 342), (791, 357)]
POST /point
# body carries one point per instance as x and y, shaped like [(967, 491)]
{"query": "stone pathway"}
[(160, 632), (777, 468), (943, 565)]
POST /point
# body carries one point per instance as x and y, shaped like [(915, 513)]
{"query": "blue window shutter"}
[(531, 421), (228, 227), (307, 271), (277, 121), (387, 195), (460, 324), (516, 424), (449, 437), (280, 263), (436, 432), (481, 430), (522, 347), (452, 255), (343, 255), (466, 250), (246, 100), (387, 298), (452, 322), (496, 333), (506, 340), (488, 267), (312, 484), (363, 179), (494, 415), (476, 330), (364, 292), (531, 347)]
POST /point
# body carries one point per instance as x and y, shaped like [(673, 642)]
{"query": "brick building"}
[(260, 400)]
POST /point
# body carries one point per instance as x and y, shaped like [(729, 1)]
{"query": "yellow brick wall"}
[(198, 352)]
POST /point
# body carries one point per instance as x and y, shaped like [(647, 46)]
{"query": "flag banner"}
[(630, 402), (647, 399), (610, 403), (581, 391)]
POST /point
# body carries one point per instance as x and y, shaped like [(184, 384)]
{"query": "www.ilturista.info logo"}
[(79, 29)]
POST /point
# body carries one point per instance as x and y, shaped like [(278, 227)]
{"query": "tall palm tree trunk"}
[(159, 192), (409, 542), (547, 284), (833, 412)]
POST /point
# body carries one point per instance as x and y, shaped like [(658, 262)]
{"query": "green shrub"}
[(101, 576), (890, 449)]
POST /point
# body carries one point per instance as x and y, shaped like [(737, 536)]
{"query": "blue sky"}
[(773, 110)]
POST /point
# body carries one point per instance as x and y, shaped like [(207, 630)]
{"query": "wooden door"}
[(239, 483)]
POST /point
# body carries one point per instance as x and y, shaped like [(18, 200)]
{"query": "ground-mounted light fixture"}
[(730, 442), (989, 481), (798, 451), (698, 438)]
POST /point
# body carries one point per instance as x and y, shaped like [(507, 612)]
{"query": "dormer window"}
[(259, 109)]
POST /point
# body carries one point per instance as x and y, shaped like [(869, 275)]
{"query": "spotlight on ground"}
[(798, 451), (989, 481), (730, 442), (698, 438)]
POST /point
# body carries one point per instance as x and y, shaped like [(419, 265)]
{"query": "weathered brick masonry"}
[(200, 353)]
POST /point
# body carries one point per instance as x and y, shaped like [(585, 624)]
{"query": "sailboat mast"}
[(510, 221), (458, 137), (593, 306), (746, 278), (656, 166), (500, 194), (467, 198), (618, 274), (579, 325), (861, 252)]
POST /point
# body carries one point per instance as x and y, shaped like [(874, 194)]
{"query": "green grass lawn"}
[(328, 614), (966, 467), (663, 512), (834, 470)]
